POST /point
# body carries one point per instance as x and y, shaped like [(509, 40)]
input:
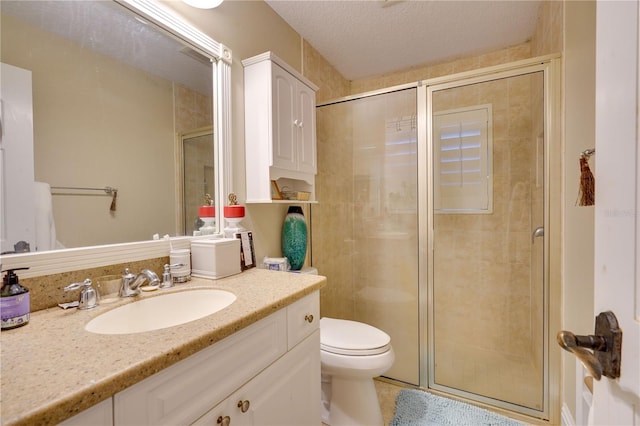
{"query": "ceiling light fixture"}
[(204, 4)]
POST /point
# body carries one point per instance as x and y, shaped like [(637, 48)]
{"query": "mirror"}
[(198, 175), (109, 111)]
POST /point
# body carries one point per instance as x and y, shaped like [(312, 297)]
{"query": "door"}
[(285, 393), (283, 108), (16, 159), (617, 218), (488, 283), (198, 176), (306, 122)]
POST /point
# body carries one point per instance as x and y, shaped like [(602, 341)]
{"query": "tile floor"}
[(388, 392)]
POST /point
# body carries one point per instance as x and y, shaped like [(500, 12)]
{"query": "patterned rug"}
[(419, 408)]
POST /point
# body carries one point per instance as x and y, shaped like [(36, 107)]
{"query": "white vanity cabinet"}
[(100, 414), (286, 393), (280, 381), (280, 128)]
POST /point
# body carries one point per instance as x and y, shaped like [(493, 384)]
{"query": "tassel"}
[(114, 195), (587, 193)]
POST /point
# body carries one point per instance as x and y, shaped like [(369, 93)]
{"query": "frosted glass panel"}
[(364, 229)]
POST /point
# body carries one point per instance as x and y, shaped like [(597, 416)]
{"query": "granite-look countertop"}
[(53, 369)]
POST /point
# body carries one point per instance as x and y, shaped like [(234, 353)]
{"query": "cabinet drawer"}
[(183, 392), (303, 318)]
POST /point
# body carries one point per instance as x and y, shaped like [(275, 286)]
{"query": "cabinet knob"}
[(224, 421), (244, 405), (296, 123), (308, 318)]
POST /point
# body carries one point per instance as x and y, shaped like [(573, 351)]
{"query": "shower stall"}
[(433, 225)]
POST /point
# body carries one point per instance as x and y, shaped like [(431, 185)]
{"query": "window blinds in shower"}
[(462, 160)]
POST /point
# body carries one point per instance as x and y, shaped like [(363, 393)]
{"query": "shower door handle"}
[(538, 232)]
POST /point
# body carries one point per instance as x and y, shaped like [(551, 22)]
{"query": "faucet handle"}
[(88, 295)]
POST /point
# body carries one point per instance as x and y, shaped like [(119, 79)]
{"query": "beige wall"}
[(316, 68), (514, 53)]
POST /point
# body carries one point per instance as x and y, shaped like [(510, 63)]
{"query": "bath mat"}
[(419, 408)]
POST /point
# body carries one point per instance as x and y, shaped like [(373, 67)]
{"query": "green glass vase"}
[(294, 237)]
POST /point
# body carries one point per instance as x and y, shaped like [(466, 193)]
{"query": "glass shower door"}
[(365, 229), (488, 319), (385, 266)]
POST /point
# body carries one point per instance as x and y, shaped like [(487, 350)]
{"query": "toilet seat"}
[(344, 337)]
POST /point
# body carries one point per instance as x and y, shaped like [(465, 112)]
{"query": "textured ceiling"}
[(110, 29), (364, 38)]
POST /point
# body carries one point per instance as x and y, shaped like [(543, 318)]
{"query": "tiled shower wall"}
[(482, 261), (332, 256), (333, 187)]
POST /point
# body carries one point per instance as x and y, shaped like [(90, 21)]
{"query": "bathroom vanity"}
[(255, 362)]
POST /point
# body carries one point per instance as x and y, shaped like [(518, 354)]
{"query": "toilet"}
[(351, 355)]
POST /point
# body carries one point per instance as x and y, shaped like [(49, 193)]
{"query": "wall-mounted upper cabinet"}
[(280, 130)]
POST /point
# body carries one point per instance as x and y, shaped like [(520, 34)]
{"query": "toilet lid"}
[(346, 337)]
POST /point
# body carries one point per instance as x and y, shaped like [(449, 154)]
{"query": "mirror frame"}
[(58, 261)]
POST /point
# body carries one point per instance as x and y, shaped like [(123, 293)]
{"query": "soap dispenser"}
[(15, 305)]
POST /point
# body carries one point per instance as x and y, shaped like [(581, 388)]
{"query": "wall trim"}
[(566, 418), (59, 261)]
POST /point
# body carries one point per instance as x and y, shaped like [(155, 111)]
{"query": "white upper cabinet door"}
[(285, 129), (306, 129)]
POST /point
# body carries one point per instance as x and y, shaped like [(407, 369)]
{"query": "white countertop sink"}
[(163, 311)]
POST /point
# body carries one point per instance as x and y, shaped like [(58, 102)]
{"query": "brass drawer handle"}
[(224, 421), (308, 318)]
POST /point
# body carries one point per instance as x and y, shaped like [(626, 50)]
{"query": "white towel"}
[(45, 225)]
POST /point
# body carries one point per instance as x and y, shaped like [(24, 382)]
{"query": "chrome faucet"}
[(88, 295), (131, 282)]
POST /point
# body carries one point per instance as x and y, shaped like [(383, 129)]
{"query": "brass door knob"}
[(606, 345)]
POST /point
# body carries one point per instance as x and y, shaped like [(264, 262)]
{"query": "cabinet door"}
[(100, 414), (306, 143), (284, 115), (287, 393)]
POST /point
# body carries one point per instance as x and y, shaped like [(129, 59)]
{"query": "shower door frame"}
[(550, 66)]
